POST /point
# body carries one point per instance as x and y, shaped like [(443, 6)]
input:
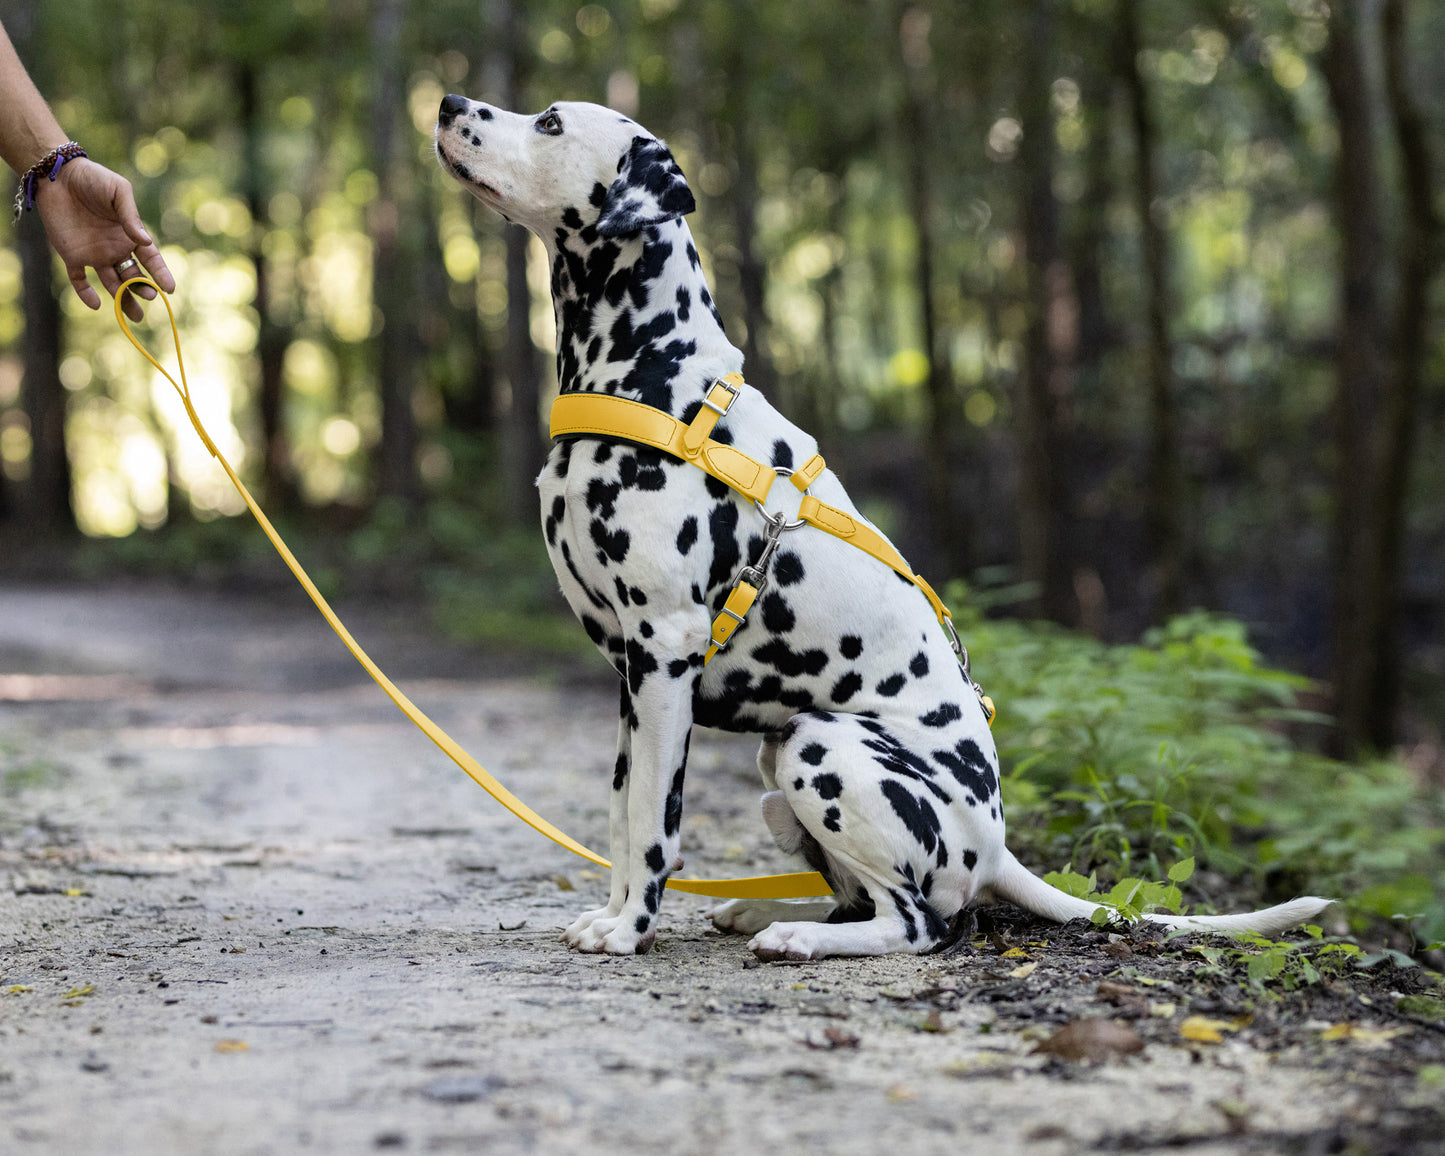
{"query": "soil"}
[(245, 907)]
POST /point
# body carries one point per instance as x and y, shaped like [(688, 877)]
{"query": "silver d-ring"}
[(782, 472)]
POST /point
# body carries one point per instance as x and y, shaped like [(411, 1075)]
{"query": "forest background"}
[(1110, 310)]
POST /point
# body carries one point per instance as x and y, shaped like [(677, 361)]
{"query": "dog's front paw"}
[(610, 935), (572, 937), (795, 941)]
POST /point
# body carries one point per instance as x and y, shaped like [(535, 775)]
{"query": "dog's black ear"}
[(649, 189)]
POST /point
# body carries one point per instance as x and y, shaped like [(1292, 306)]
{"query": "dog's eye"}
[(550, 123)]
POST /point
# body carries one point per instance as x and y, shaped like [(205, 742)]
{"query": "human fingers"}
[(112, 281), (82, 286), (146, 249)]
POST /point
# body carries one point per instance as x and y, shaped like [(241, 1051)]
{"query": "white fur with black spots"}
[(877, 759)]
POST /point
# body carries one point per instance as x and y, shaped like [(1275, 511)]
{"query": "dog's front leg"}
[(660, 729), (616, 826)]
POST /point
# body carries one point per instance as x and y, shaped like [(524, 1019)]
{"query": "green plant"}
[(1128, 899), (1117, 760)]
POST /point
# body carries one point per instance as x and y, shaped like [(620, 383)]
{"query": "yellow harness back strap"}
[(603, 415), (788, 886)]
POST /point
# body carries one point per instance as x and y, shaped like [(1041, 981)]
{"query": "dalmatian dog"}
[(876, 759)]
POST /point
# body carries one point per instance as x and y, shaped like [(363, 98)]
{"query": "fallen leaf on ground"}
[(1203, 1030), (1095, 1039), (1023, 971), (1016, 953), (1363, 1035), (226, 1047), (18, 989)]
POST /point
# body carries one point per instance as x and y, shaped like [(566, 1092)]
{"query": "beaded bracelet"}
[(48, 166)]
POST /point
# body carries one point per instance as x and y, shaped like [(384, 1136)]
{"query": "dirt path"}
[(246, 908)]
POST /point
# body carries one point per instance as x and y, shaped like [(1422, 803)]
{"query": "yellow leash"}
[(793, 885)]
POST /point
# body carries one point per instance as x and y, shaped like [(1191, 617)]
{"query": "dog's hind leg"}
[(879, 827), (747, 916)]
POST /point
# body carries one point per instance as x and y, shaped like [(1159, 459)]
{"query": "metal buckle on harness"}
[(782, 472), (961, 653), (731, 390)]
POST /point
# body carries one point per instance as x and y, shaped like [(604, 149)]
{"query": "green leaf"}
[(1182, 870)]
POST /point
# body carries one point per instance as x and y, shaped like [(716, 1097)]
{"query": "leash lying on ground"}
[(796, 884)]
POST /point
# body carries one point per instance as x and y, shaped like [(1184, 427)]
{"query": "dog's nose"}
[(452, 107)]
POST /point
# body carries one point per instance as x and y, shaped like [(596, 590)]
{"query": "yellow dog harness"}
[(602, 415)]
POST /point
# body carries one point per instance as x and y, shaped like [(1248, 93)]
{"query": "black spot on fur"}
[(846, 687), (687, 536), (619, 772), (946, 713), (891, 685), (777, 614), (610, 544), (850, 646), (654, 858), (787, 568), (968, 764), (672, 813), (678, 667), (919, 665), (813, 754), (782, 454), (831, 817), (788, 662), (640, 664), (828, 785), (970, 859), (917, 815)]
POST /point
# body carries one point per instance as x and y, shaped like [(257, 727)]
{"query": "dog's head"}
[(573, 165)]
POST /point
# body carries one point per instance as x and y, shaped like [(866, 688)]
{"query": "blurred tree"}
[(393, 291), (45, 506)]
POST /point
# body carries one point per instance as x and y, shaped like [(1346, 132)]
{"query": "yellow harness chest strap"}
[(788, 886)]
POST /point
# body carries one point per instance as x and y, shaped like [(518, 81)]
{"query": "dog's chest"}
[(638, 539)]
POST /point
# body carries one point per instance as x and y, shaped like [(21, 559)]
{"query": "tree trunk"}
[(522, 451), (952, 531), (45, 498), (1419, 264), (391, 287), (46, 506), (1164, 498), (1050, 340), (1360, 367), (278, 479)]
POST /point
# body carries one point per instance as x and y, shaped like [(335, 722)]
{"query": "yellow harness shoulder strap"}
[(606, 416)]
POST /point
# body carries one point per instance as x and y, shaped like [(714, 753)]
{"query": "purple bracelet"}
[(48, 166)]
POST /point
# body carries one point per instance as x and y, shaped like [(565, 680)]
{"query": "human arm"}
[(88, 211)]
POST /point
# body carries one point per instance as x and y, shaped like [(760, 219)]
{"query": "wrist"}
[(44, 171)]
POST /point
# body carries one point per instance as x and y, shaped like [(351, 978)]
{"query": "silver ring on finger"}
[(123, 268)]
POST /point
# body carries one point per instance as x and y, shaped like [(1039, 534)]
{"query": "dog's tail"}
[(1018, 884)]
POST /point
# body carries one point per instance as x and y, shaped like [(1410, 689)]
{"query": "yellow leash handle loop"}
[(758, 887)]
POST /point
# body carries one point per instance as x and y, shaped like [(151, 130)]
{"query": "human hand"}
[(91, 219)]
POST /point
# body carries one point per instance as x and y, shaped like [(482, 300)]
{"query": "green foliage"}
[(1128, 899), (1267, 962), (1118, 760)]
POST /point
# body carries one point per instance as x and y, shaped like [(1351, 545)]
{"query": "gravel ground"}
[(245, 907)]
